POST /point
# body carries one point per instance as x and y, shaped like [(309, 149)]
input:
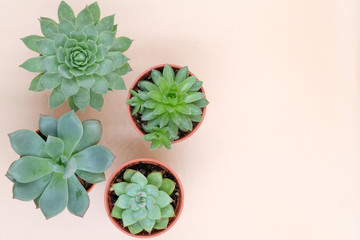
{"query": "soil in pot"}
[(84, 183), (146, 169), (137, 117)]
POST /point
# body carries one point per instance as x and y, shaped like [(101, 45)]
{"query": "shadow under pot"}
[(144, 198), (166, 104), (88, 186)]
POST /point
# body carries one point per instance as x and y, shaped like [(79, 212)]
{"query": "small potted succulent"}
[(80, 57), (144, 198), (58, 162), (166, 104)]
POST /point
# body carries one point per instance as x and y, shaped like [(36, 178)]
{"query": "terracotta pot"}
[(80, 179), (143, 76), (179, 203)]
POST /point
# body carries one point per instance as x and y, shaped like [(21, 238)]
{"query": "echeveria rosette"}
[(167, 104), (144, 203), (47, 170), (80, 58)]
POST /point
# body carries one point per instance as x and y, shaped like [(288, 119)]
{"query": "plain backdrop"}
[(277, 156)]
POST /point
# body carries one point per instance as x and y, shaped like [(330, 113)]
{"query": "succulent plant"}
[(144, 203), (47, 171), (80, 58), (168, 103)]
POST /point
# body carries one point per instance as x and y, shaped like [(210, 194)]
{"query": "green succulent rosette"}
[(47, 171), (167, 104), (80, 57), (144, 203)]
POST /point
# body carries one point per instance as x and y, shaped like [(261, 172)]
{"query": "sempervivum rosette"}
[(80, 58)]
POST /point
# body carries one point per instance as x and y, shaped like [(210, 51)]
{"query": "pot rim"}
[(127, 165), (139, 78)]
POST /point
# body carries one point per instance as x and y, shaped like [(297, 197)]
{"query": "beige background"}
[(277, 157)]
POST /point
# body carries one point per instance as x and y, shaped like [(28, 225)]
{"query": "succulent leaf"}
[(78, 201), (92, 132), (48, 125), (128, 174), (30, 42), (91, 177), (95, 159), (30, 191), (161, 223), (57, 97), (117, 212), (34, 64), (35, 84), (54, 146), (66, 12), (55, 197), (69, 129), (26, 142), (135, 228)]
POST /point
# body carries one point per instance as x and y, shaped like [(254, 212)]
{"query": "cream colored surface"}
[(277, 157)]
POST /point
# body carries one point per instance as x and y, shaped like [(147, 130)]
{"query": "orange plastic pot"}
[(143, 76), (145, 161)]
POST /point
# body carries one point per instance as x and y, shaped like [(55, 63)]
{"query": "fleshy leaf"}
[(168, 73), (70, 168), (28, 169), (161, 224), (154, 213), (51, 64), (147, 224), (35, 84), (95, 11), (115, 81), (139, 179), (119, 188), (27, 142), (46, 47), (82, 98), (64, 71), (66, 27), (105, 24), (128, 218), (55, 197), (66, 12), (185, 85), (30, 191), (96, 100), (128, 174), (85, 81), (101, 85), (70, 130), (105, 67), (84, 18), (79, 201), (192, 97), (106, 39), (167, 212), (92, 132), (50, 80), (116, 212), (54, 146), (163, 199), (48, 27), (167, 186), (34, 64), (155, 178), (118, 59), (124, 69), (121, 44), (123, 201), (30, 42), (140, 214), (94, 159), (132, 189), (151, 190), (91, 177), (135, 228), (48, 125), (182, 74), (57, 97), (70, 87)]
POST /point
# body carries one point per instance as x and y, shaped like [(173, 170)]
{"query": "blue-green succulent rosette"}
[(80, 57), (48, 171)]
